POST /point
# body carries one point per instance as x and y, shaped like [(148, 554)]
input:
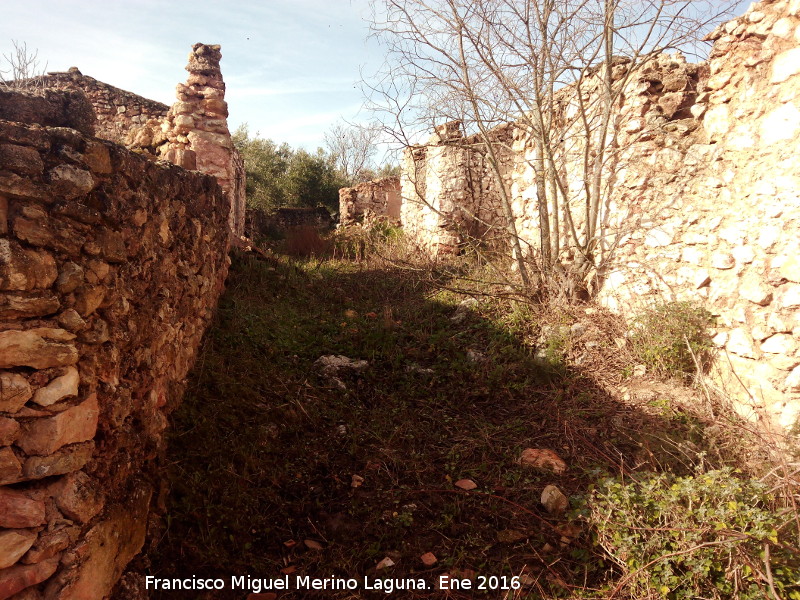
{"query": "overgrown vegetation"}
[(715, 534), (483, 64), (277, 468), (672, 339), (23, 70), (279, 176)]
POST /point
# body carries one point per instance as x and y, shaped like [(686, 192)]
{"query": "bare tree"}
[(353, 147), (23, 70), (558, 69)]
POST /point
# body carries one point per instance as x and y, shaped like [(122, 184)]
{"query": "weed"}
[(715, 535), (670, 337), (264, 448)]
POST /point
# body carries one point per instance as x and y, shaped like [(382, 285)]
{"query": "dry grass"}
[(264, 448)]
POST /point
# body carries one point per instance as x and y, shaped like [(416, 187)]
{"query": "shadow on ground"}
[(275, 470)]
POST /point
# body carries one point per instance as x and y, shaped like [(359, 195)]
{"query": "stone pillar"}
[(197, 129)]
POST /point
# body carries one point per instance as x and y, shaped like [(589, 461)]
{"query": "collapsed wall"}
[(370, 200), (449, 191), (262, 224), (110, 266), (193, 133), (703, 202), (122, 117)]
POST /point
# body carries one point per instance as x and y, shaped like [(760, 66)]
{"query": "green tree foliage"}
[(278, 176), (385, 170), (265, 164), (312, 180)]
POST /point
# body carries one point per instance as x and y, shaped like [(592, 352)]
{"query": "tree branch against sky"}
[(353, 147), (489, 62)]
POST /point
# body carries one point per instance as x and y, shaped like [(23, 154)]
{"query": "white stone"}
[(657, 238), (740, 342), (732, 234), (743, 254), (783, 28), (768, 236), (554, 500), (692, 256), (692, 237), (789, 297), (784, 363), (752, 288), (785, 65), (792, 382), (778, 323), (722, 260), (760, 332), (720, 339), (698, 110), (790, 269), (780, 343), (59, 388), (717, 120), (783, 123)]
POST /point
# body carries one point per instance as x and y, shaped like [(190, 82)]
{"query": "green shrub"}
[(669, 337), (703, 536), (356, 242)]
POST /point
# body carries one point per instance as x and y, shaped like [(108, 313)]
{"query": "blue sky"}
[(291, 66)]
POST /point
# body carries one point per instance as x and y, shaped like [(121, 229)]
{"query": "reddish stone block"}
[(18, 510), (13, 544), (10, 467), (38, 348), (78, 497), (66, 460), (16, 579), (9, 429), (46, 435)]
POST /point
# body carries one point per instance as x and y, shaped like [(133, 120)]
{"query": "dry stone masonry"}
[(704, 203), (193, 133), (370, 200), (110, 266), (197, 132), (122, 117)]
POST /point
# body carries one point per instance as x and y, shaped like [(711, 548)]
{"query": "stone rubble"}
[(371, 200)]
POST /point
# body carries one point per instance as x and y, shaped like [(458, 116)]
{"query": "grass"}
[(274, 468)]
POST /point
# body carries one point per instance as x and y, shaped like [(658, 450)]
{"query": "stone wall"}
[(193, 133), (259, 223), (110, 267), (197, 132), (122, 117), (450, 192), (370, 200), (703, 200)]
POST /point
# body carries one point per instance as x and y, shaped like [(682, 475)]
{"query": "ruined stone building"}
[(703, 203), (111, 263)]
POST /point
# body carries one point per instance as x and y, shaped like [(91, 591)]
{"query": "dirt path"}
[(279, 470)]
